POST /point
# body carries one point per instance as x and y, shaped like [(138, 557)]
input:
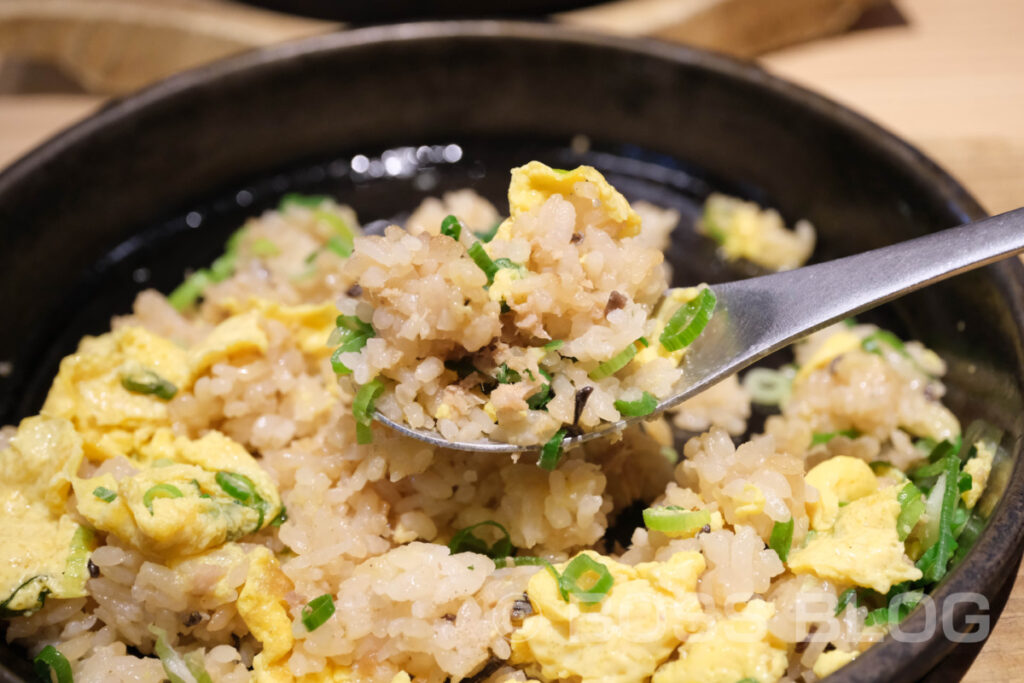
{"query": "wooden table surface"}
[(948, 75)]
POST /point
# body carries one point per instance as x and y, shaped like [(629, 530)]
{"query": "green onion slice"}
[(911, 508), (824, 437), (689, 321), (352, 334), (551, 452), (615, 363), (160, 491), (847, 597), (104, 494), (543, 396), (280, 518), (317, 611), (238, 486), (767, 387), (339, 246), (874, 341), (362, 409), (781, 539), (51, 665), (580, 566), (451, 226), (465, 541), (178, 669), (261, 246), (306, 201), (189, 291), (483, 260), (148, 382), (488, 235), (672, 520), (935, 559), (644, 405), (554, 345)]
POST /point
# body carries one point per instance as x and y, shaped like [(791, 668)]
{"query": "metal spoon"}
[(760, 315)]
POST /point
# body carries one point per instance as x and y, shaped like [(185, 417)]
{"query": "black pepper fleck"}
[(449, 617), (616, 300), (94, 571), (192, 619), (355, 291), (521, 608), (576, 238)]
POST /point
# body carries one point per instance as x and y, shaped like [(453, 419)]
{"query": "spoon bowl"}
[(758, 316)]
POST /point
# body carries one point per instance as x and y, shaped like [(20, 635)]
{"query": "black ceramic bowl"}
[(383, 117)]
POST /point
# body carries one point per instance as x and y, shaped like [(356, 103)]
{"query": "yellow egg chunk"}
[(199, 495), (262, 606), (533, 183), (833, 347), (331, 673), (236, 335), (840, 479), (310, 324), (88, 389), (980, 468), (42, 550), (649, 610), (862, 549), (828, 663), (730, 650)]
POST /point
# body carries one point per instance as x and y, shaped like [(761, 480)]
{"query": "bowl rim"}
[(997, 549)]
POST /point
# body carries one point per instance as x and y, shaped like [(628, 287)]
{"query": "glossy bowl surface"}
[(382, 117)]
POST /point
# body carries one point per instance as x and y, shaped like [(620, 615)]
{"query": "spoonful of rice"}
[(557, 326)]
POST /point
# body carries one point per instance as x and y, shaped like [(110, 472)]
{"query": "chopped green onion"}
[(465, 541), (689, 321), (339, 246), (824, 437), (451, 227), (781, 539), (768, 387), (488, 235), (177, 668), (196, 665), (887, 615), (104, 494), (51, 665), (553, 345), (674, 520), (280, 518), (580, 566), (317, 611), (342, 232), (238, 486), (847, 597), (943, 449), (614, 364), (352, 334), (551, 452), (148, 382), (261, 246), (911, 508), (483, 260), (223, 266), (506, 375), (189, 291), (362, 409), (935, 559), (644, 405), (306, 201), (160, 491), (850, 322), (873, 343), (543, 396)]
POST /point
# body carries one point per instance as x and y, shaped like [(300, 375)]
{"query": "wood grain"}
[(949, 80)]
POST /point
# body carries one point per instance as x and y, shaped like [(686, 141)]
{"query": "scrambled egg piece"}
[(236, 335), (980, 468), (840, 479), (863, 547), (211, 491), (829, 662), (746, 231), (649, 610), (309, 324), (42, 550), (833, 347), (730, 650), (262, 605), (533, 183), (111, 419)]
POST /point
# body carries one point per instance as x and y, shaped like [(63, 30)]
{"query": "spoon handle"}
[(758, 316)]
